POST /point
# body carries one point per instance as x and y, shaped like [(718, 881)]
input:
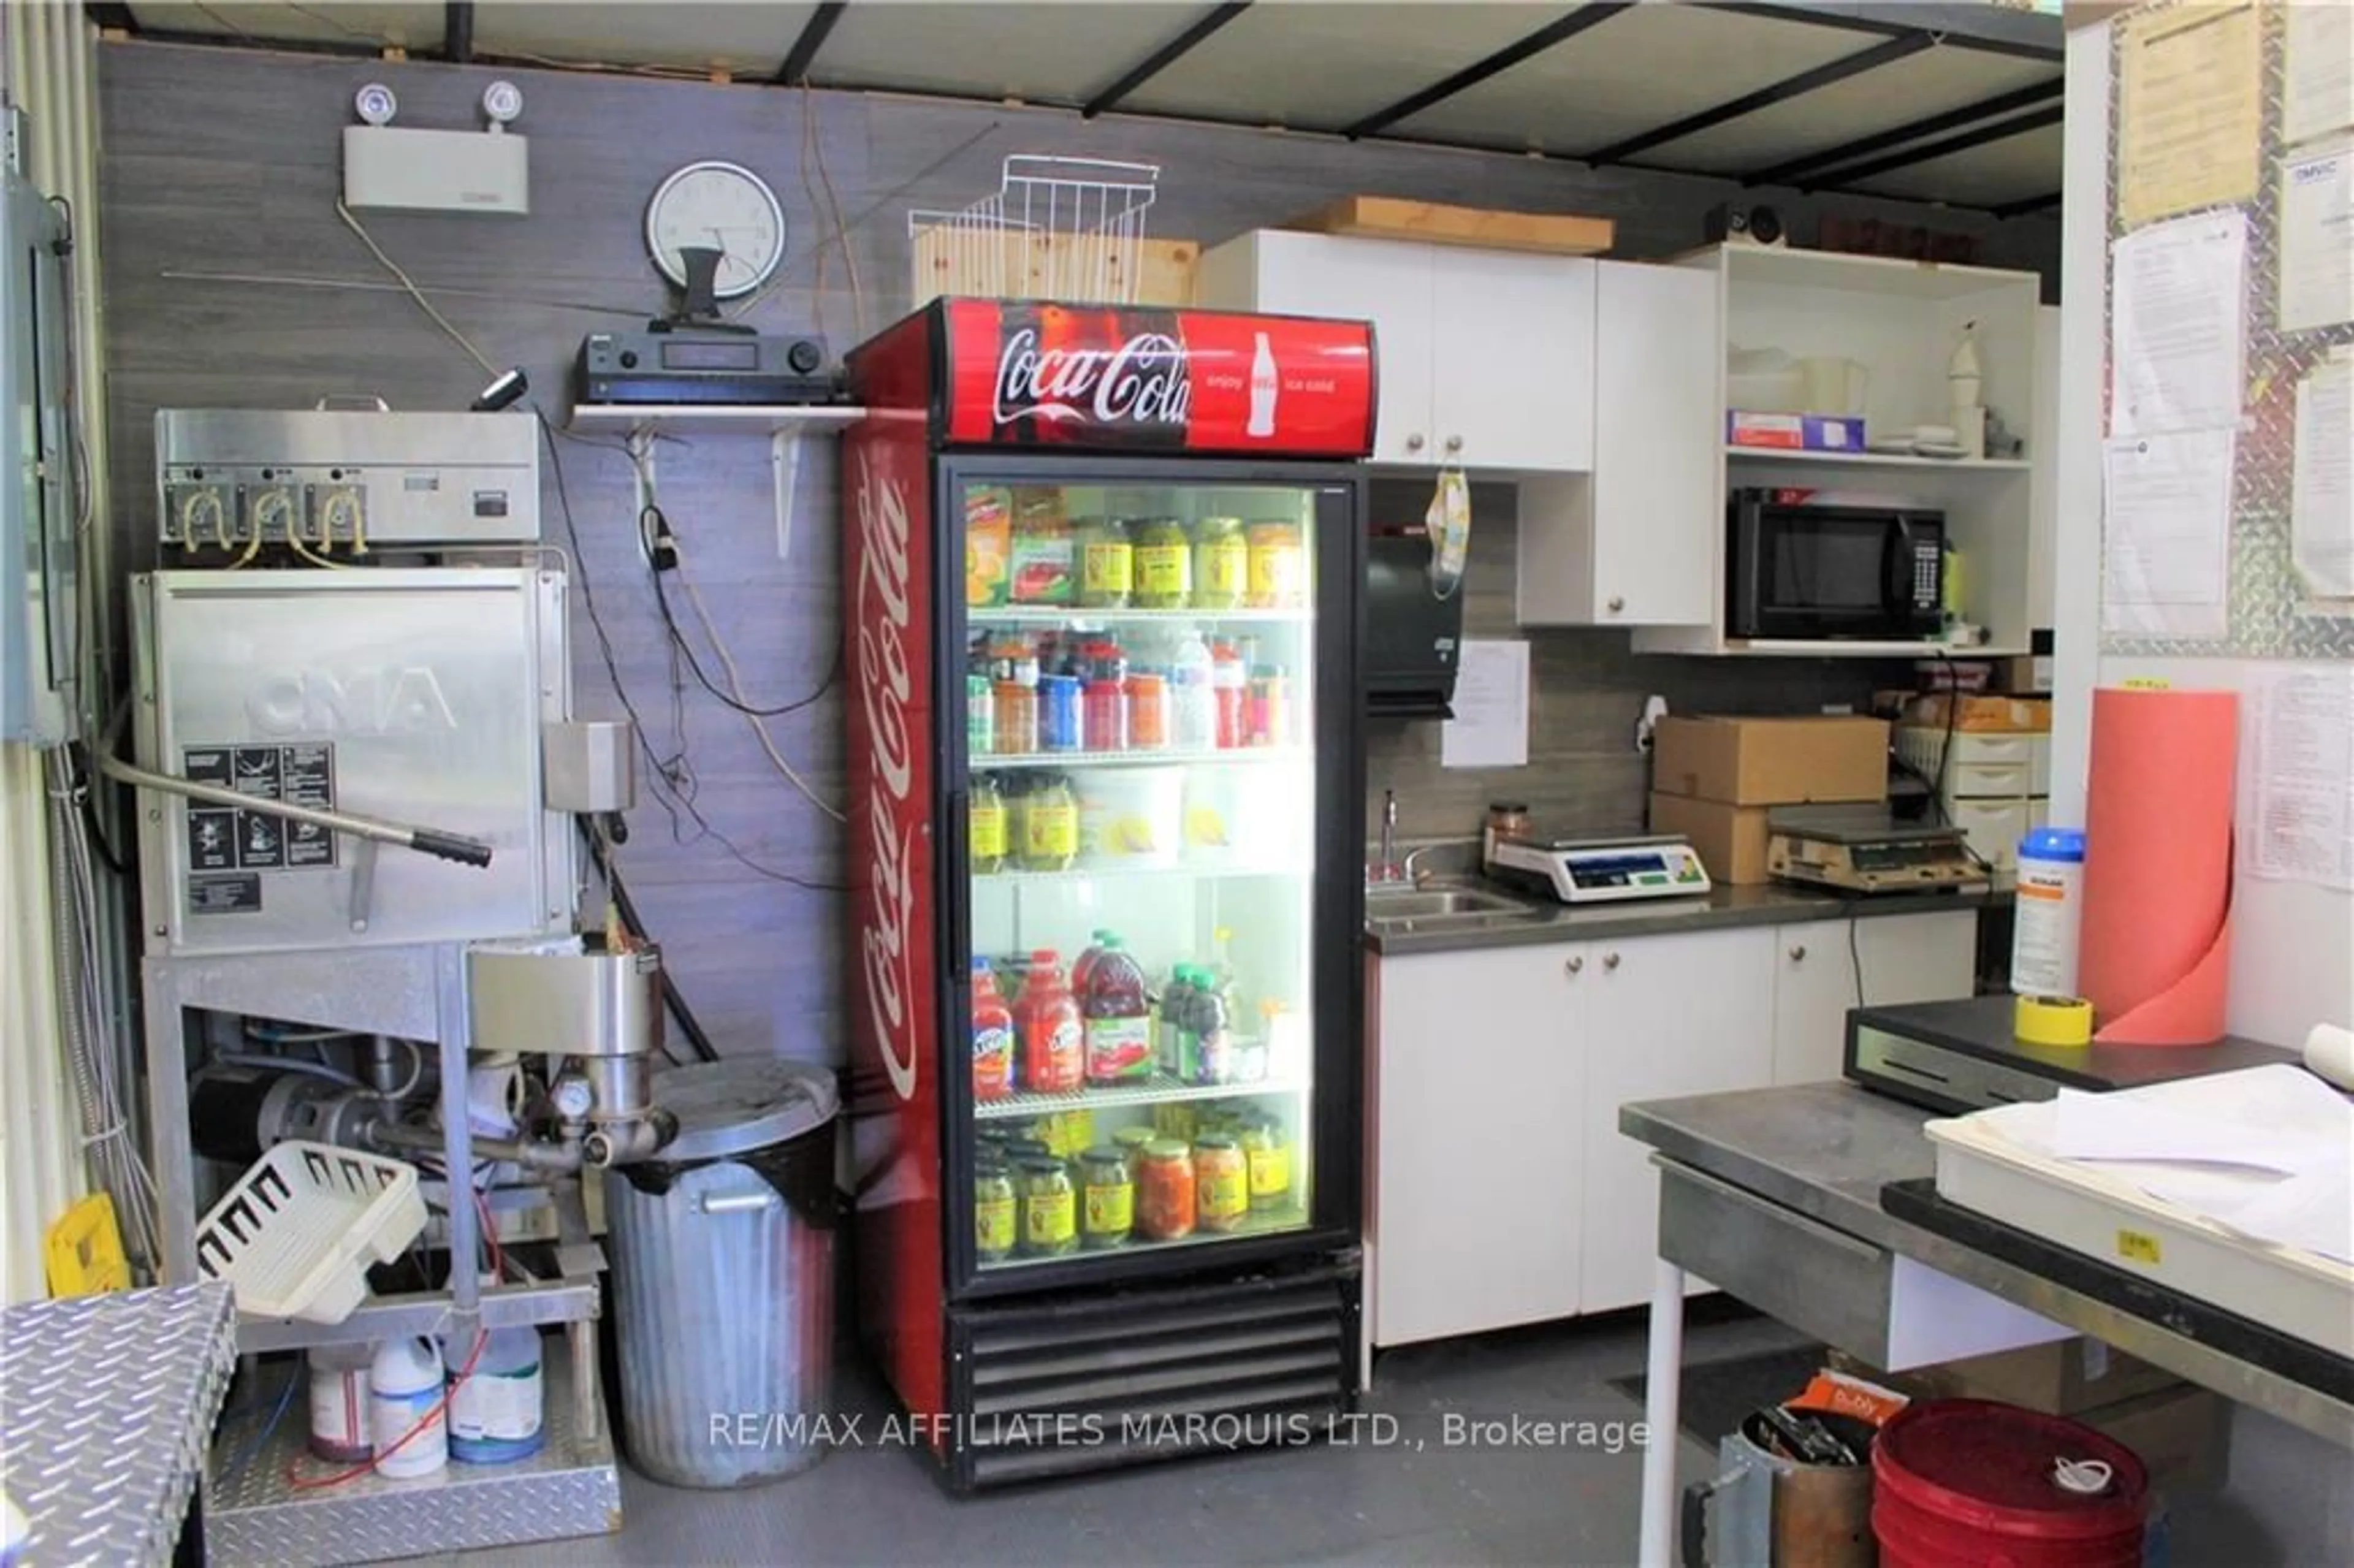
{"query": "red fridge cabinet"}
[(1106, 826)]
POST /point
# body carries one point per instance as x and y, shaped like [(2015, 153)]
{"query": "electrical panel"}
[(39, 463)]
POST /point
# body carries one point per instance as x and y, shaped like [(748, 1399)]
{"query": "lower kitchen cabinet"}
[(1472, 1153), (1500, 1190)]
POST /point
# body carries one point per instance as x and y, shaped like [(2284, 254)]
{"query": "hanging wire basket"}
[(1055, 228)]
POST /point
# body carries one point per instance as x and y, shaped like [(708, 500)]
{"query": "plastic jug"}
[(405, 1390), (1832, 385)]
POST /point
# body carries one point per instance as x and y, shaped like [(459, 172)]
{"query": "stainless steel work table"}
[(1772, 1195)]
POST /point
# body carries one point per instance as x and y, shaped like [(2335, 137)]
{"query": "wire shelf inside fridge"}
[(1088, 877), (1257, 1223), (1236, 756), (1161, 1089), (1078, 618)]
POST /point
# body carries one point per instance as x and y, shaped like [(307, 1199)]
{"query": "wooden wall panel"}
[(231, 283)]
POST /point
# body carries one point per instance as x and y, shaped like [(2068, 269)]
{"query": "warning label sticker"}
[(223, 839)]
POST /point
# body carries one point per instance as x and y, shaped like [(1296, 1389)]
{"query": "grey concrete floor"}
[(1421, 1501)]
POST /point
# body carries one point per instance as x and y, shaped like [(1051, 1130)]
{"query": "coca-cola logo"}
[(886, 683), (1141, 382)]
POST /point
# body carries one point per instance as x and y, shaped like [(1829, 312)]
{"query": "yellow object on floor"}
[(85, 1250)]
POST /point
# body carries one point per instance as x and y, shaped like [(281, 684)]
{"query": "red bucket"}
[(1967, 1483)]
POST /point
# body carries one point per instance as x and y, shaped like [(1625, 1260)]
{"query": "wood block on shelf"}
[(1394, 217)]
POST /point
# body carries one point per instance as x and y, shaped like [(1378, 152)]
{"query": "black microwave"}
[(1792, 570)]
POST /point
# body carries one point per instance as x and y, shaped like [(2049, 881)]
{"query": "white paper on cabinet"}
[(2166, 545), (2319, 94), (1491, 727), (2297, 791), (2321, 500), (2177, 301), (2317, 238)]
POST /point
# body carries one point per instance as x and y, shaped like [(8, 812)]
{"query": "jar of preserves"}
[(1267, 1152), (1221, 564), (1108, 1198), (1050, 1221), (1221, 1181), (995, 1224), (1278, 565), (1107, 564), (1164, 562), (1149, 711), (1165, 1190)]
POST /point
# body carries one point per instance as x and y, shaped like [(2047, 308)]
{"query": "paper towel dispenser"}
[(1414, 637)]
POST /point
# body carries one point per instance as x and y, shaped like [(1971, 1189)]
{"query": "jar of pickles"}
[(1108, 1198), (1266, 1155), (1132, 1143), (1050, 1226), (995, 1219), (1164, 562), (986, 819), (1278, 565), (1050, 824), (1107, 564), (1165, 1196), (1221, 1181), (1221, 564)]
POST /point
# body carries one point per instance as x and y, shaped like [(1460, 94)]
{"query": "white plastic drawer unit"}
[(414, 694), (2007, 764)]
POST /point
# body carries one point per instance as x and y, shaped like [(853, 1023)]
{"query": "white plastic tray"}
[(296, 1235), (2097, 1211)]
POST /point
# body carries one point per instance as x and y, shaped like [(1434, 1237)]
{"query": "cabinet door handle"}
[(1454, 443), (1799, 953), (1574, 963), (1617, 604), (1414, 443), (1609, 960)]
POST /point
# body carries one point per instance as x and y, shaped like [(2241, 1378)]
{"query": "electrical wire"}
[(260, 1438), (1855, 958), (415, 294), (300, 1482), (653, 526), (600, 856)]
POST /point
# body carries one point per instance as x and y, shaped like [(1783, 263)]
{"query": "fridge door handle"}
[(953, 851)]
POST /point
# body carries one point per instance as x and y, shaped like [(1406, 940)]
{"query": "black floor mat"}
[(1717, 1394)]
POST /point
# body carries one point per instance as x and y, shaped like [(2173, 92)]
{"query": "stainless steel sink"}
[(1389, 912)]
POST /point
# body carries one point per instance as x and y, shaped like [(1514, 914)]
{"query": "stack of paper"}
[(2267, 1152)]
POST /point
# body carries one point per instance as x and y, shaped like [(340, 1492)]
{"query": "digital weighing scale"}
[(1961, 1056), (1869, 853), (1602, 871)]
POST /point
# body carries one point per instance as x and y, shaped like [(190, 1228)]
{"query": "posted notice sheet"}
[(2189, 110), (2177, 301), (2299, 775), (2317, 238), (2321, 500), (2319, 95), (2166, 545), (1491, 727)]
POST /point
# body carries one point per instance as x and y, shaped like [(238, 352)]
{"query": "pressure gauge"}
[(573, 1097), (719, 206)]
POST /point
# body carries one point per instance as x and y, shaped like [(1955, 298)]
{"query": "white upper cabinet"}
[(1485, 358)]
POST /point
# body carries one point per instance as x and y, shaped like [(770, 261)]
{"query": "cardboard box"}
[(2025, 675), (2062, 1378), (1779, 761), (1730, 839), (2182, 1435), (2028, 714), (1794, 433)]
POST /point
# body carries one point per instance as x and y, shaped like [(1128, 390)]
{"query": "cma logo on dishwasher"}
[(405, 698)]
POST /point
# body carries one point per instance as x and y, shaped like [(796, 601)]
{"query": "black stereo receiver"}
[(688, 365)]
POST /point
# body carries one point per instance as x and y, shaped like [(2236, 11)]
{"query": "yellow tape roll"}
[(2053, 1021)]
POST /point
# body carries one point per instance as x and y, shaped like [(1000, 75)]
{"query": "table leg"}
[(1662, 1396)]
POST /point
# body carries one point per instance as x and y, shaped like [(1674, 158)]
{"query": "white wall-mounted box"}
[(436, 171)]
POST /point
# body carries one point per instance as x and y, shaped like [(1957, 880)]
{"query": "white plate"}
[(1935, 450)]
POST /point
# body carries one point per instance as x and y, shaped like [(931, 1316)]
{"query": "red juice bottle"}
[(1054, 1040), (992, 1036), (1119, 1018), (1085, 962), (1229, 679)]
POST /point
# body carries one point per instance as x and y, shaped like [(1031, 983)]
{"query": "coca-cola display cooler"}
[(1102, 567)]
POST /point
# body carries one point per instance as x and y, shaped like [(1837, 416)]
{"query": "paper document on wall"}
[(2166, 542), (2176, 299), (2297, 775), (2319, 96), (2321, 498), (2317, 238), (2189, 111), (1491, 727)]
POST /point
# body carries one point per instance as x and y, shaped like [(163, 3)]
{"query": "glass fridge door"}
[(1142, 780)]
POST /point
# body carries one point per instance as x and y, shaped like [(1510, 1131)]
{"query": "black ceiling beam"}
[(458, 31), (1886, 52), (1161, 59), (2029, 97), (2000, 130), (1558, 31), (795, 71), (1977, 26), (117, 17), (2022, 207)]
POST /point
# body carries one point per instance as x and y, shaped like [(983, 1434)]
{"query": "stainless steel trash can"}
[(723, 1277)]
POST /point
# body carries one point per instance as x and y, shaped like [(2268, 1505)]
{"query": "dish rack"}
[(1055, 228), (298, 1232)]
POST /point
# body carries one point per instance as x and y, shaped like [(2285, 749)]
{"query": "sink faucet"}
[(1386, 869)]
